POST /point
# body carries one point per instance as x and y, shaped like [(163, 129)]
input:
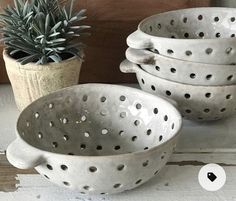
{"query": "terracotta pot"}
[(31, 81)]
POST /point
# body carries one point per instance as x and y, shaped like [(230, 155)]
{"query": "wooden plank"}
[(177, 183), (112, 21)]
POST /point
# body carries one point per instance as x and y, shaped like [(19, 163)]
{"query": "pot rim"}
[(36, 67), (136, 153)]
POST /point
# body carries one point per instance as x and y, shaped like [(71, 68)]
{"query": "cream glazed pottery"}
[(201, 103), (32, 81), (183, 71), (96, 138), (197, 34)]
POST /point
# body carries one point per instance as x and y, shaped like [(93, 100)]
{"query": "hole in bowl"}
[(168, 93), (66, 183), (120, 167), (173, 70), (209, 50), (123, 115), (104, 131), (187, 96), (229, 96), (36, 115), (165, 118), (201, 34), (216, 19), (145, 163), (185, 19), (208, 95), (117, 186), (121, 133), (66, 137), (54, 144), (223, 110), (40, 135), (188, 111), (230, 77), (157, 68), (93, 169), (200, 17), (99, 147), (86, 134), (51, 105), (208, 77), (186, 35), (103, 99), (49, 167), (64, 167), (228, 50), (192, 75), (134, 138), (117, 147), (155, 111), (87, 188), (188, 53), (138, 106), (160, 138), (85, 98), (139, 181), (218, 35), (169, 51), (136, 122), (83, 146), (122, 98), (149, 132)]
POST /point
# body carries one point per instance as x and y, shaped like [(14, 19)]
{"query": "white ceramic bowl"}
[(96, 138), (201, 103), (183, 71), (204, 35)]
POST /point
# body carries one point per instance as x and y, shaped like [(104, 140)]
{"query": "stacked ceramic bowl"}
[(188, 56)]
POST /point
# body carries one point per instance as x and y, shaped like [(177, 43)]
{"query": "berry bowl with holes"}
[(181, 71), (205, 35), (96, 138), (195, 102)]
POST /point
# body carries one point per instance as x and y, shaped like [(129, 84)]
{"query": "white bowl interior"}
[(98, 120), (196, 23)]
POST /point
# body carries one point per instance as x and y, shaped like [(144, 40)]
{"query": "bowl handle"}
[(140, 56), (139, 40), (127, 67), (23, 156)]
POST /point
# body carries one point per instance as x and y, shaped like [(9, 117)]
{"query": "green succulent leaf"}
[(42, 29)]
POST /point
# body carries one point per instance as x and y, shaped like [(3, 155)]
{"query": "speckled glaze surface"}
[(183, 71), (201, 103), (31, 81), (204, 35), (96, 138)]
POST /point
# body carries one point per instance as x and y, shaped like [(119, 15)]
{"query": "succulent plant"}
[(42, 31)]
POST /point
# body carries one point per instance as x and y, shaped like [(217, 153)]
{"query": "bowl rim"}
[(184, 39), (139, 152)]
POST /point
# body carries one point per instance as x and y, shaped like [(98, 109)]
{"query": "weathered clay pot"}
[(32, 81)]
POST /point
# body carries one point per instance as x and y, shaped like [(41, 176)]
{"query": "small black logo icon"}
[(211, 176)]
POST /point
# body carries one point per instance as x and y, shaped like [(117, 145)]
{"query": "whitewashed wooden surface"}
[(200, 143)]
